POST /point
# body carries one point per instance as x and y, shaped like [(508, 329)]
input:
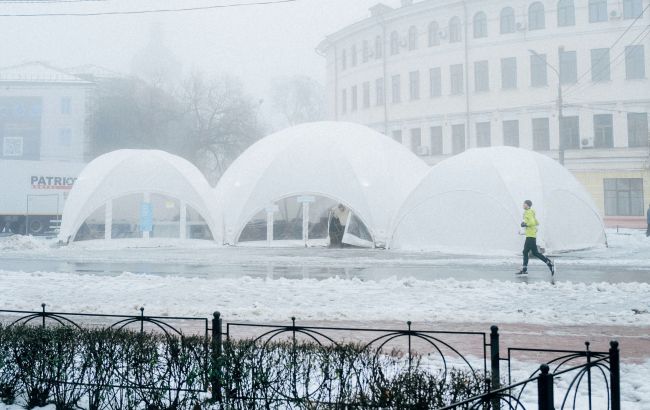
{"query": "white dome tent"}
[(472, 203), (343, 162), (141, 175)]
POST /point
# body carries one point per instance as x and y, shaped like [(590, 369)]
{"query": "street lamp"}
[(559, 102)]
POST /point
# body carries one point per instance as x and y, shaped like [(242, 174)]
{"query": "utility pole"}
[(560, 103), (559, 119)]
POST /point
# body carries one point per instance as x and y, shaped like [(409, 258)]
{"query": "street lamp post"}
[(559, 103)]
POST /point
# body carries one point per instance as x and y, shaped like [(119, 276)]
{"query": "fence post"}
[(215, 374), (495, 375), (615, 375), (545, 398)]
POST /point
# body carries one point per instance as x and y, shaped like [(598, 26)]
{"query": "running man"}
[(530, 223)]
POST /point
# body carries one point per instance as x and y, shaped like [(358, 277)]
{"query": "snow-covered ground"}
[(324, 284), (607, 286)]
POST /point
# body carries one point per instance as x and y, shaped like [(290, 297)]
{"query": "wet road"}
[(325, 264)]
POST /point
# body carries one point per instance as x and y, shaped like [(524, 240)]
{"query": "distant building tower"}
[(568, 79), (156, 63)]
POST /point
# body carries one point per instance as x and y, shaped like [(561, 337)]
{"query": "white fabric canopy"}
[(124, 172), (350, 163), (472, 203)]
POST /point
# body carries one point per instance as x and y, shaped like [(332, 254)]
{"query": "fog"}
[(256, 42)]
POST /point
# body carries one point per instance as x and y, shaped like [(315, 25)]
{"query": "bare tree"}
[(298, 98), (223, 121), (129, 113)]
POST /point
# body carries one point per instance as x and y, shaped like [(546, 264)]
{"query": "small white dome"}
[(124, 172)]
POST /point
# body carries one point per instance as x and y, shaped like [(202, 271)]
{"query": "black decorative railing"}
[(98, 361), (105, 361)]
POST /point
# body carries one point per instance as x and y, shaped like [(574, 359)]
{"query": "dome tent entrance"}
[(348, 163), (147, 182), (472, 203), (306, 220)]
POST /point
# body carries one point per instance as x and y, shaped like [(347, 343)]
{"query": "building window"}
[(541, 139), (481, 76), (436, 140), (434, 40), (632, 9), (344, 59), (414, 85), (634, 62), (536, 16), (538, 77), (12, 147), (507, 20), (366, 94), (597, 11), (379, 48), (380, 95), (344, 101), (483, 134), (566, 13), (416, 139), (397, 136), (603, 131), (480, 25), (456, 78), (65, 137), (354, 97), (623, 196), (570, 132), (413, 38), (511, 133), (457, 138), (397, 89), (66, 105), (435, 79), (568, 67), (366, 51), (600, 69), (637, 129), (454, 30), (353, 55), (509, 72), (394, 43)]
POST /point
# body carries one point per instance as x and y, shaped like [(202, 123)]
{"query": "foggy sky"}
[(256, 43)]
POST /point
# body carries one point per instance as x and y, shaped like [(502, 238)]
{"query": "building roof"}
[(39, 72)]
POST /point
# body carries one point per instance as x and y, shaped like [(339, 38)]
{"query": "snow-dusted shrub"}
[(304, 375)]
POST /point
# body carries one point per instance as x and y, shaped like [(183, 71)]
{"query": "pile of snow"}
[(24, 243), (272, 300)]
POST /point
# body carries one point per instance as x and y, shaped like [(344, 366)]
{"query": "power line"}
[(620, 37), (150, 11), (48, 1), (595, 108), (614, 62)]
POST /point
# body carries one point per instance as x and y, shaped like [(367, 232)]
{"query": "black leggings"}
[(531, 246)]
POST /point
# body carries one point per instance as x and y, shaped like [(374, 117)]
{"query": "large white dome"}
[(472, 203), (350, 163)]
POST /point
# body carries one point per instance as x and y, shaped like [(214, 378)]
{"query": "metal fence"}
[(575, 378)]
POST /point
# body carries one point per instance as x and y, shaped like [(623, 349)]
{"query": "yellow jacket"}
[(531, 223)]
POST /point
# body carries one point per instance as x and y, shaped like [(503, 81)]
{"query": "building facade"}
[(42, 114), (567, 78)]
